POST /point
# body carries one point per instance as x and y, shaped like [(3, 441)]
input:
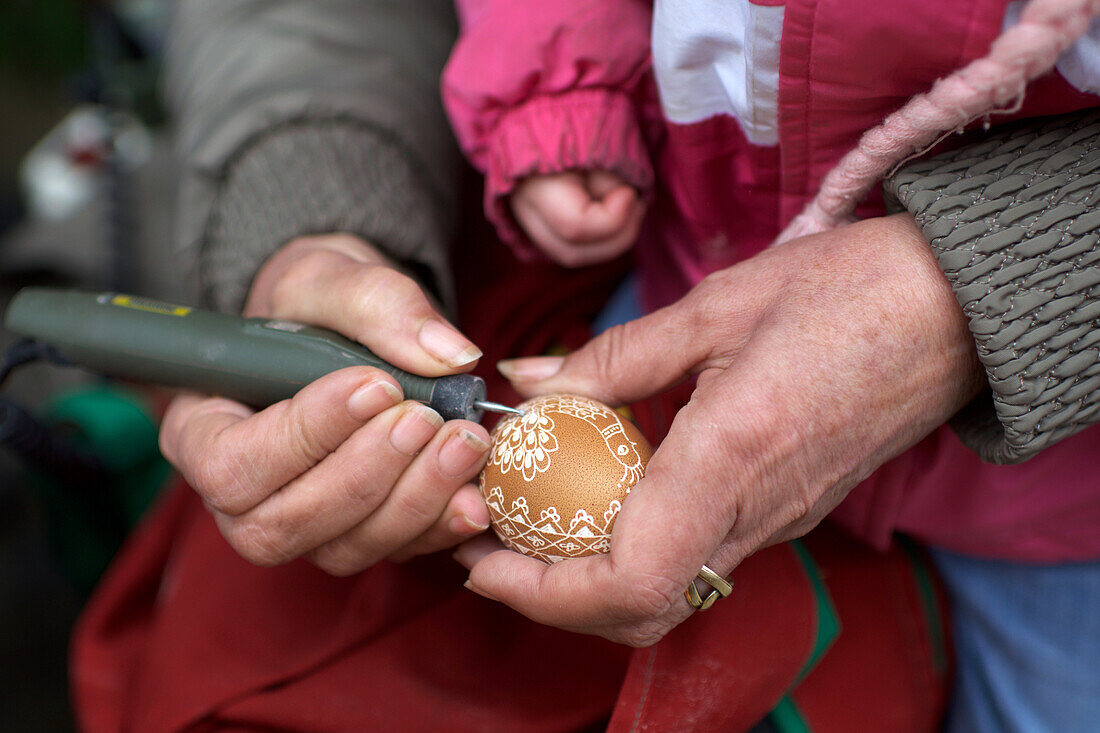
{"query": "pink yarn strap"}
[(993, 84)]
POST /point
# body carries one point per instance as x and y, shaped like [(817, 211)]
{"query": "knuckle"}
[(384, 284), (338, 560), (385, 299), (305, 271), (645, 635), (617, 221), (572, 227), (222, 479), (417, 510), (707, 303), (259, 543), (796, 514), (803, 512), (720, 280), (604, 355), (801, 507), (651, 609), (308, 440), (803, 491), (715, 317), (360, 492), (651, 598)]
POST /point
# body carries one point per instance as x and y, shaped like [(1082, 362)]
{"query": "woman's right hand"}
[(345, 473)]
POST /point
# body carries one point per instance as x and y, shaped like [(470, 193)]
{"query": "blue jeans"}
[(623, 305), (1027, 644)]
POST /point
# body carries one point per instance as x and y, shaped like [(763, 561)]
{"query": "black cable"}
[(43, 451), (24, 351), (50, 453), (32, 441), (75, 470), (111, 47)]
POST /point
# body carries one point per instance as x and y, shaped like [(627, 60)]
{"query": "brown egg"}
[(556, 477)]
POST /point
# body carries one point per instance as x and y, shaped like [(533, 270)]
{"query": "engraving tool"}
[(258, 361)]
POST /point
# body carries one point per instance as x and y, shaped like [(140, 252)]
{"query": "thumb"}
[(624, 364)]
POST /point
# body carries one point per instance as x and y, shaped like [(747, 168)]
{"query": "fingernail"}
[(465, 526), (461, 451), (531, 369), (447, 344), (414, 429), (470, 586), (372, 398)]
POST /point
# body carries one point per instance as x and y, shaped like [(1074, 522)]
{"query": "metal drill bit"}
[(497, 407)]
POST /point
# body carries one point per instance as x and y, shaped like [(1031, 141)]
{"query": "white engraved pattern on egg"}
[(525, 444), (547, 539), (610, 426)]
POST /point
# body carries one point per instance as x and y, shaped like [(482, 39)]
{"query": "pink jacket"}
[(758, 100)]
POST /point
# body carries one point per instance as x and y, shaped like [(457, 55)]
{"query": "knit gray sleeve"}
[(296, 118), (315, 177), (1013, 221)]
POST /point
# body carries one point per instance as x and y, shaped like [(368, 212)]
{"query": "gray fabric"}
[(1014, 223), (300, 117), (317, 177)]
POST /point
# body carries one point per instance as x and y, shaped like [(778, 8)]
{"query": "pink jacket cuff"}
[(585, 129)]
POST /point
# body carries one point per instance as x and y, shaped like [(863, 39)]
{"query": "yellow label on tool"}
[(149, 305)]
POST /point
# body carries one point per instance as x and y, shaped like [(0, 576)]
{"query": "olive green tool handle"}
[(258, 361)]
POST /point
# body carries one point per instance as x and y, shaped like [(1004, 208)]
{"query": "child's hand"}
[(579, 217)]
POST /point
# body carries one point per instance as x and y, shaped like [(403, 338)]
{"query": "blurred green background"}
[(57, 53), (56, 58), (43, 51)]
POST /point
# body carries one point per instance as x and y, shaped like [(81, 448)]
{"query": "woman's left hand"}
[(817, 361)]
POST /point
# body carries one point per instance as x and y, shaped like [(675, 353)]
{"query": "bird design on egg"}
[(566, 456)]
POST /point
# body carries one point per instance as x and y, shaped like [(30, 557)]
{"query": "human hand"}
[(817, 361), (579, 217), (344, 473)]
